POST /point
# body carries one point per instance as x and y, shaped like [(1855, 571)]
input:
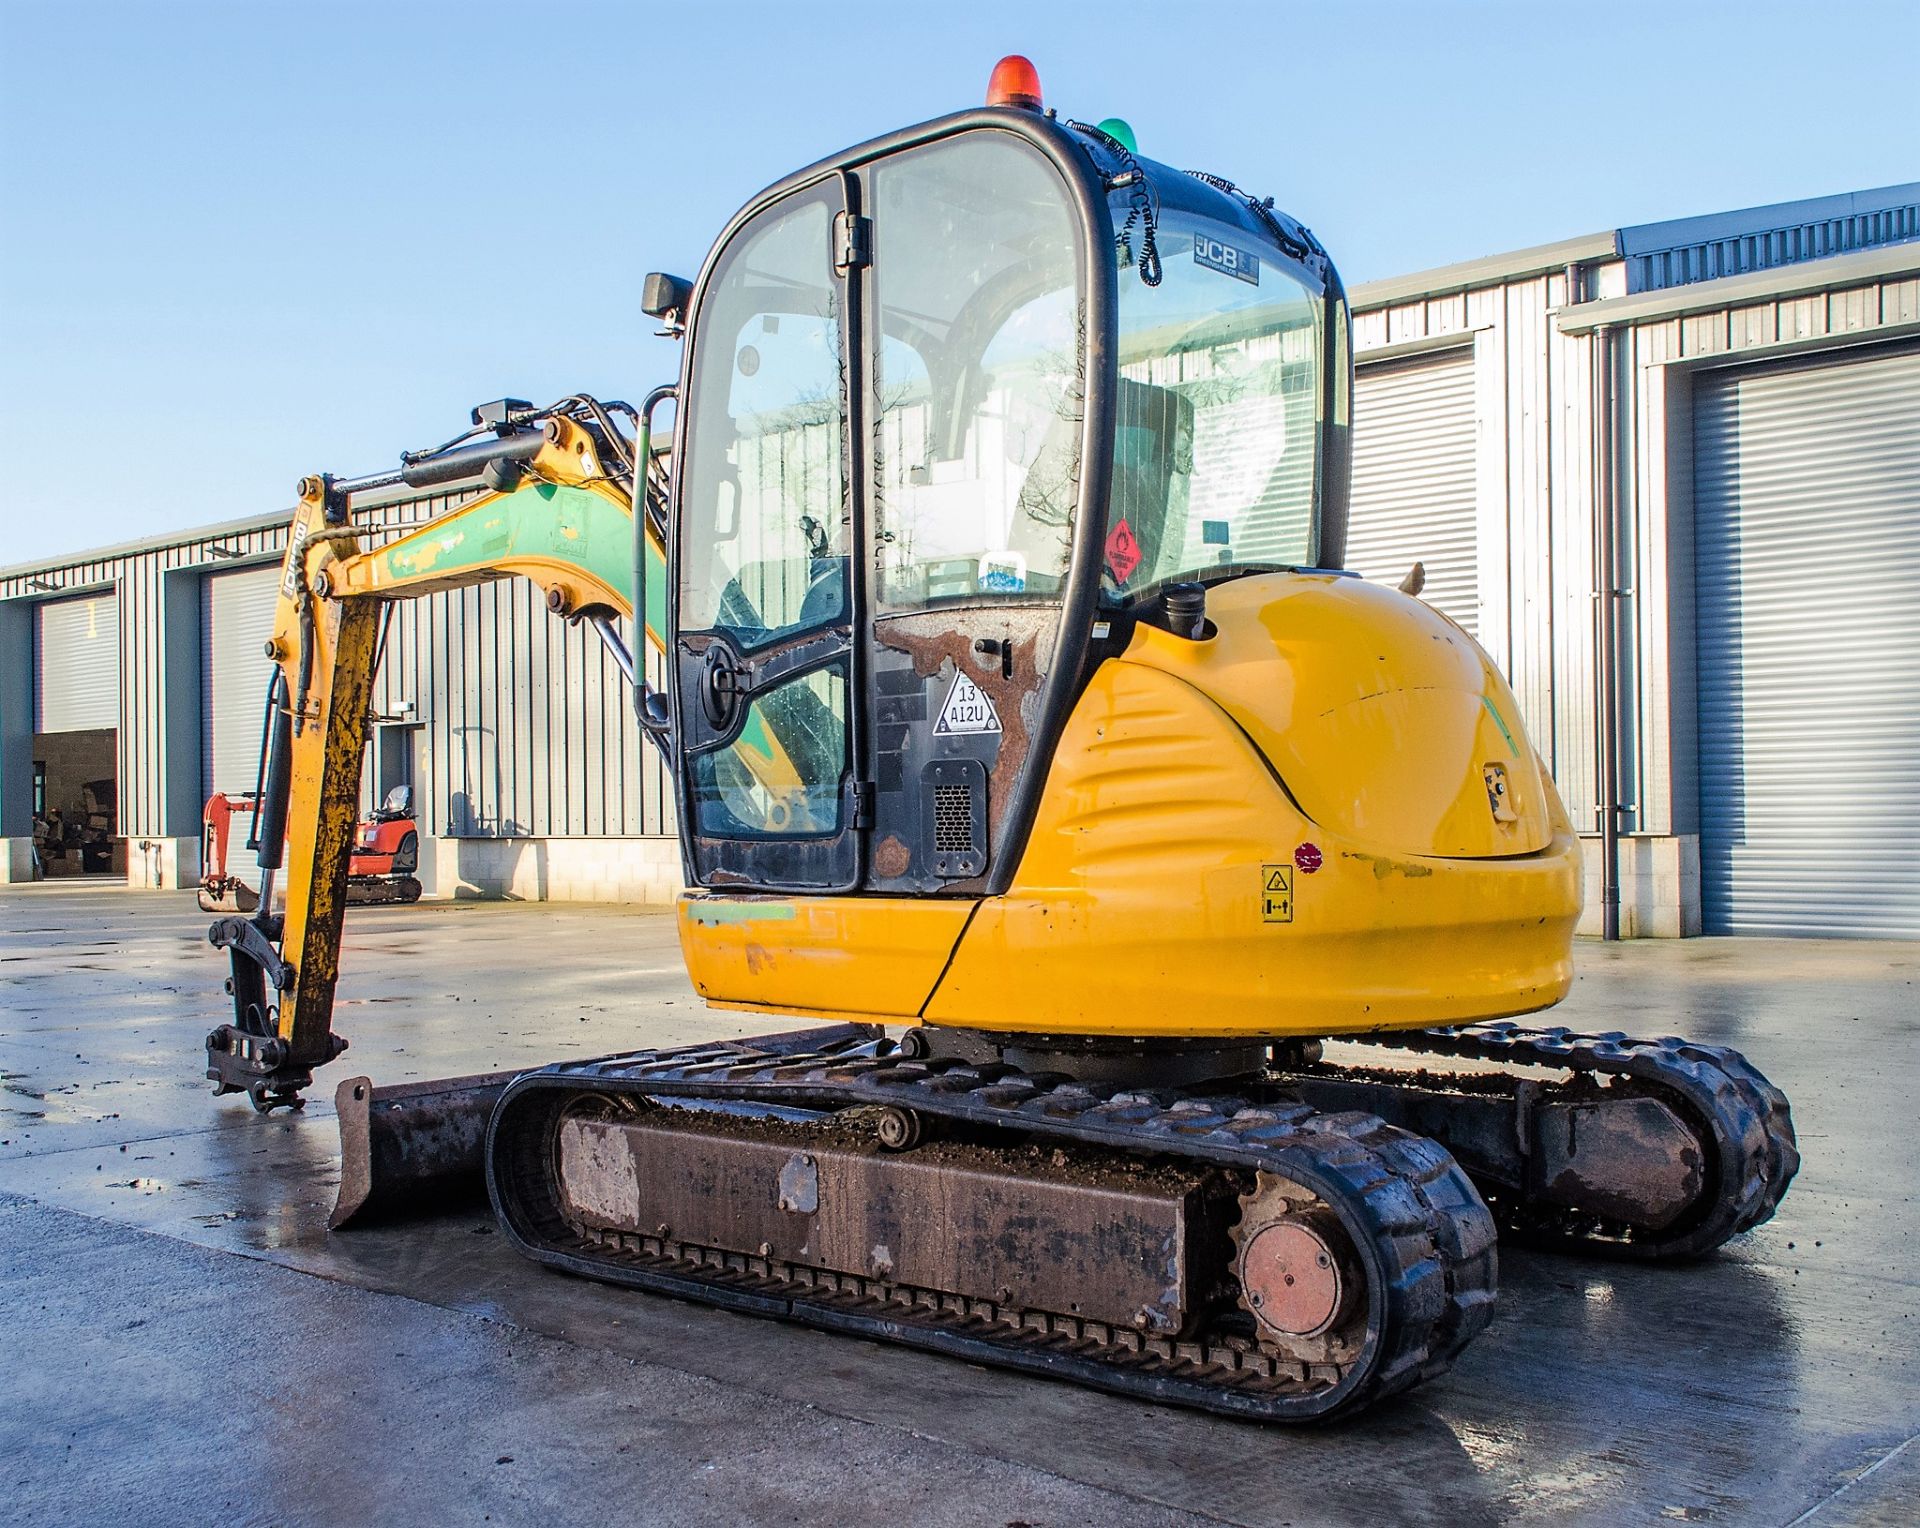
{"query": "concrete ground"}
[(181, 1340)]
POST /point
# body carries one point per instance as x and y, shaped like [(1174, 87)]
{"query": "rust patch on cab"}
[(933, 644), (891, 857)]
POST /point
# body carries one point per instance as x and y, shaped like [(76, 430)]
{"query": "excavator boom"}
[(554, 504)]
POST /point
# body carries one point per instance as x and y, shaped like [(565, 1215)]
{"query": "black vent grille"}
[(952, 819)]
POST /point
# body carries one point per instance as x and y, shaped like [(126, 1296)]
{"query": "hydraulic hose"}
[(270, 821), (274, 683)]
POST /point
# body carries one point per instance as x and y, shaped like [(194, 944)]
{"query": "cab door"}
[(976, 325), (762, 646)]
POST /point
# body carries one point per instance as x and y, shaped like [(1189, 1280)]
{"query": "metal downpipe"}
[(1606, 538)]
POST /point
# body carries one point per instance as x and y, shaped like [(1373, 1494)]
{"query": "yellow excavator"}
[(1158, 898)]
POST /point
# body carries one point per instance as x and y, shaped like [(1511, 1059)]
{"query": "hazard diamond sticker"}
[(1123, 551), (966, 709)]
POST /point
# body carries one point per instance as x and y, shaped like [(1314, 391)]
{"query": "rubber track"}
[(1748, 1122), (1418, 1224)]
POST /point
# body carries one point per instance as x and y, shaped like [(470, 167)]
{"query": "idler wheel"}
[(1298, 1276)]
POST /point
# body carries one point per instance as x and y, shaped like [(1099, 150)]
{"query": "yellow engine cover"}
[(1324, 819), (1379, 714)]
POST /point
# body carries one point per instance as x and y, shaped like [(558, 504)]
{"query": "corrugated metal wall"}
[(140, 581), (1661, 357), (1662, 255), (1807, 515), (525, 726), (1534, 395), (76, 664)]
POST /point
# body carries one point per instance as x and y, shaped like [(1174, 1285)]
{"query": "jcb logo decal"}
[(1228, 259), (290, 577)]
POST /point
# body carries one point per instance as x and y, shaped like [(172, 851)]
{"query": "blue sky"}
[(240, 242)]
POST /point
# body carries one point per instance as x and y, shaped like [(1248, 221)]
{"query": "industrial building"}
[(1668, 475)]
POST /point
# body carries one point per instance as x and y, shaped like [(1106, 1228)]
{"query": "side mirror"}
[(666, 298)]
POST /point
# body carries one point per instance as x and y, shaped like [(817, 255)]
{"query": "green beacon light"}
[(1121, 131)]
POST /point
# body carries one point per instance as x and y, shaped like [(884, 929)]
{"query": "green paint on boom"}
[(566, 524)]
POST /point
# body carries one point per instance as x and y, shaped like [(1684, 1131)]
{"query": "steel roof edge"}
[(149, 544), (1653, 238), (1632, 242), (1488, 270), (1800, 279)]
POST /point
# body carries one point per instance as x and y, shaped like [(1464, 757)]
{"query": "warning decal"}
[(967, 709), (1123, 551), (1276, 893)]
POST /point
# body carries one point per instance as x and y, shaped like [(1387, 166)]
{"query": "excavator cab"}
[(958, 408)]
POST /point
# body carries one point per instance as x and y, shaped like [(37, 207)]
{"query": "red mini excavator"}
[(386, 854)]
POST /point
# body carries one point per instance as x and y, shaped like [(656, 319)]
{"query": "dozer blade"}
[(417, 1148)]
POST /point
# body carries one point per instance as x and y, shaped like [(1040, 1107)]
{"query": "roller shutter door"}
[(1807, 538), (236, 618), (76, 664), (1414, 487)]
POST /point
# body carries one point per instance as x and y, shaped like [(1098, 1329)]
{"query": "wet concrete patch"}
[(180, 1385)]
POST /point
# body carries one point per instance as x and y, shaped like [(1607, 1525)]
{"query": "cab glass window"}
[(976, 364), (762, 547), (1217, 417), (782, 777)]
